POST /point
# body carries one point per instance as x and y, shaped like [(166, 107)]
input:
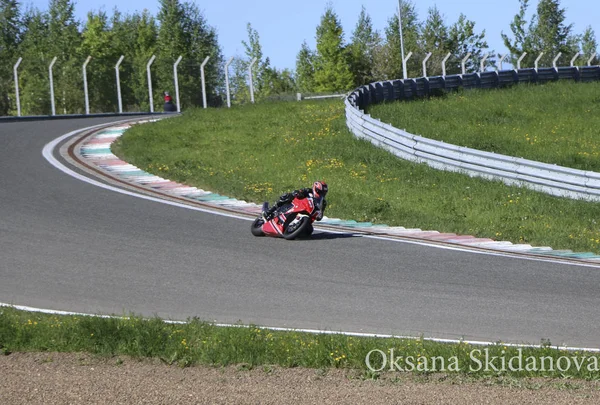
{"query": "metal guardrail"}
[(300, 97), (548, 178)]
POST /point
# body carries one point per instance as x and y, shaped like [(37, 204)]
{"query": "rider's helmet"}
[(319, 189)]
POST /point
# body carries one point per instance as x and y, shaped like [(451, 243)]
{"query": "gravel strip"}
[(75, 378)]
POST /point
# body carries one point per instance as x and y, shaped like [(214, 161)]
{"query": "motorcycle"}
[(289, 221)]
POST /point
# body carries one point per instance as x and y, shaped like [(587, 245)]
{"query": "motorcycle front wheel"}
[(256, 227), (292, 232)]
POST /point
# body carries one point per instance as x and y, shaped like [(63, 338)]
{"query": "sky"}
[(284, 25)]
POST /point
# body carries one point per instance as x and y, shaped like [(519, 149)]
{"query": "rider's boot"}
[(270, 213)]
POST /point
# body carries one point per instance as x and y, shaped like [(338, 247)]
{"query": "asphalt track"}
[(68, 245)]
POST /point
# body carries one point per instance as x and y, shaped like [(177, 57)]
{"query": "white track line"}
[(47, 152), (48, 155), (318, 331)]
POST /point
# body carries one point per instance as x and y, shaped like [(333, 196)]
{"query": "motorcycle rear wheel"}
[(298, 230), (256, 227)]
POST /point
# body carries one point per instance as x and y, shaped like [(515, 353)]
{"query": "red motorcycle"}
[(289, 221)]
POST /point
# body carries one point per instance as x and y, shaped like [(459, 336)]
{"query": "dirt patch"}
[(75, 378)]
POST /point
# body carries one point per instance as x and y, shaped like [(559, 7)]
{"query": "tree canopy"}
[(338, 63)]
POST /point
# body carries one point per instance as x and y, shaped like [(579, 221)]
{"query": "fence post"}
[(176, 78), (574, 58), (556, 59), (537, 60), (85, 85), (444, 64), (520, 59), (404, 63), (150, 82), (589, 62), (119, 84), (425, 64), (227, 81), (250, 76), (203, 82), (501, 60), (53, 106), (15, 67), (482, 66), (462, 63)]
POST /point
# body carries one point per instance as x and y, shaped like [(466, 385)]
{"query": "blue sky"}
[(284, 25)]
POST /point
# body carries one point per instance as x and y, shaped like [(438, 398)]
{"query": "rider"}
[(319, 190), (168, 106)]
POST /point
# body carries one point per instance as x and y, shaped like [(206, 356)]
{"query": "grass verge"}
[(257, 152), (556, 122), (196, 343)]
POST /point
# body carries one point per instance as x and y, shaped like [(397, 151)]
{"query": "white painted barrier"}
[(548, 178)]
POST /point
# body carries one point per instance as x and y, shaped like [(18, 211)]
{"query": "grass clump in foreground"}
[(201, 343), (556, 122), (256, 152)]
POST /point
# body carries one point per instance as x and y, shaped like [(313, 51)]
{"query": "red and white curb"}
[(96, 150)]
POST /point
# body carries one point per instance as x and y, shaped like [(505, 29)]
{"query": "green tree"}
[(143, 49), (589, 46), (546, 32), (262, 73), (33, 71), (11, 30), (551, 34), (305, 69), (184, 32), (435, 38), (332, 68), (202, 41), (522, 39), (281, 81), (388, 56), (171, 43), (64, 40), (462, 40), (362, 47), (124, 29), (97, 42)]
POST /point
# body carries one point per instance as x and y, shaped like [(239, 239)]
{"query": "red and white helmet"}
[(319, 189)]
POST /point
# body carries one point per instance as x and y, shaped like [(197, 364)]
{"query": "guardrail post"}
[(444, 64), (501, 60), (250, 77), (537, 60), (589, 62), (556, 59), (119, 84), (18, 100), (227, 81), (176, 79), (52, 105), (150, 82), (203, 81), (520, 59), (425, 64), (85, 86), (482, 65), (462, 63)]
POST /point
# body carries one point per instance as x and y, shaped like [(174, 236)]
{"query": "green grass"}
[(256, 152), (557, 122), (201, 343)]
